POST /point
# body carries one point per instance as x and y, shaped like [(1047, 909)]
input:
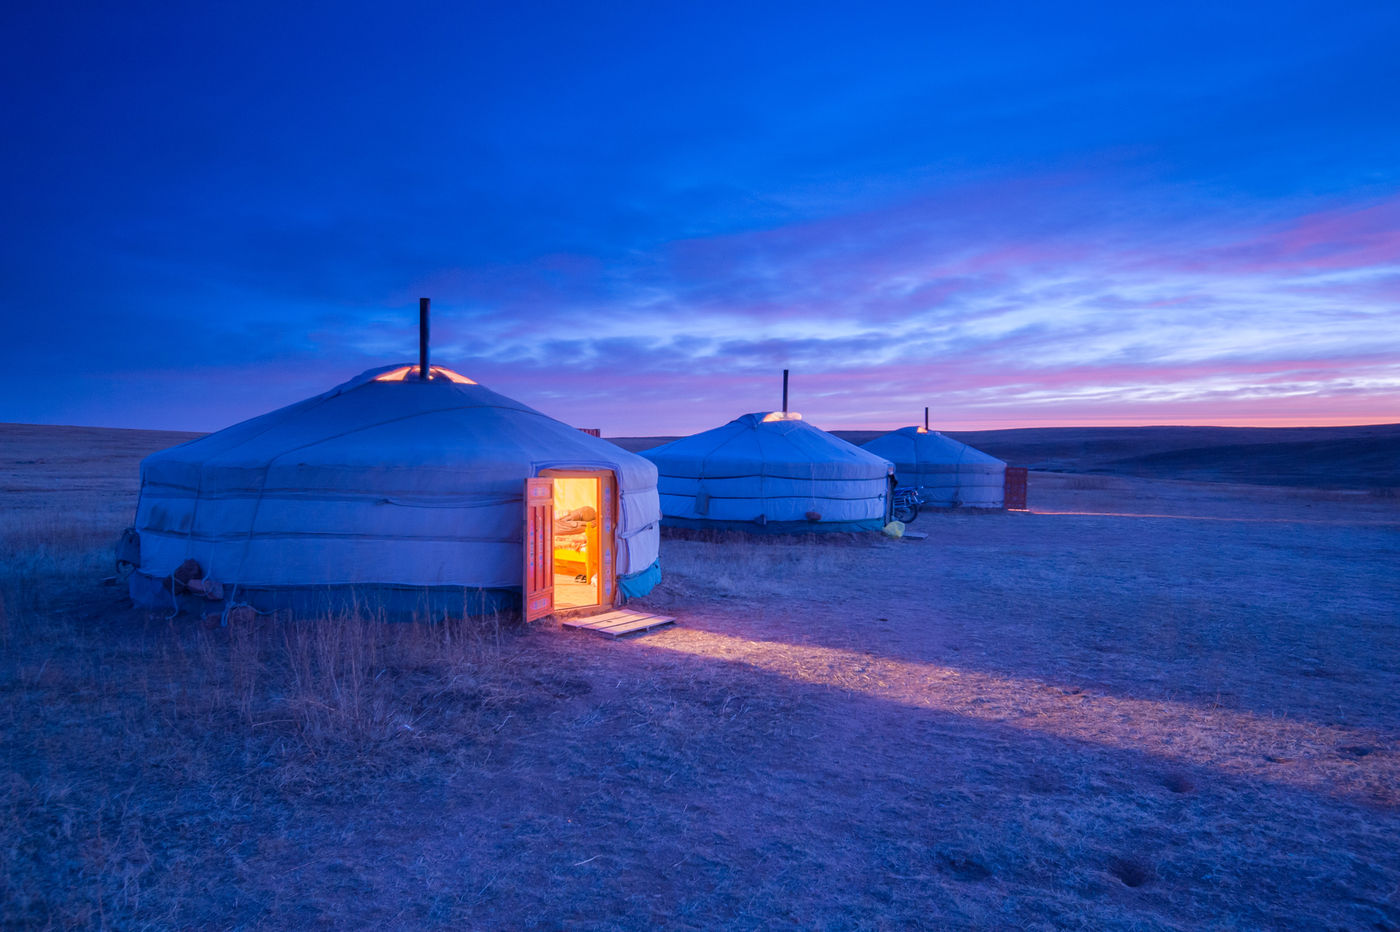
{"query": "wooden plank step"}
[(614, 623), (635, 627), (618, 622), (602, 619), (620, 626), (916, 535), (607, 625), (614, 615)]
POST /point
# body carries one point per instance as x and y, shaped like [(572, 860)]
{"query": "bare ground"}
[(1151, 705)]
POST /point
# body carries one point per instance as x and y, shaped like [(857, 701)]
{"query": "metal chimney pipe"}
[(423, 339), (925, 420), (785, 373)]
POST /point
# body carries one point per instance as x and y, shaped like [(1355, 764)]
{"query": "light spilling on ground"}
[(1323, 758)]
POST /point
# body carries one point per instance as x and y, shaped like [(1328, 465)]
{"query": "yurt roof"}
[(388, 418), (779, 442)]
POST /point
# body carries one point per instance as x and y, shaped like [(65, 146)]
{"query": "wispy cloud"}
[(985, 320), (1087, 215), (990, 322)]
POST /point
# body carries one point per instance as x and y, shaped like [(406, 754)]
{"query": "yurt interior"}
[(584, 571)]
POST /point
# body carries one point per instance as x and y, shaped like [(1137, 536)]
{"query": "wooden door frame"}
[(537, 591)]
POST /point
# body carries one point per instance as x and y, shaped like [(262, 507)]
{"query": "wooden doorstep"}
[(618, 622)]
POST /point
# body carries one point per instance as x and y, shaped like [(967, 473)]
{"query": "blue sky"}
[(634, 216)]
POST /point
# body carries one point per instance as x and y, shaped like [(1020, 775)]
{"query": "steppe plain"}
[(1150, 703)]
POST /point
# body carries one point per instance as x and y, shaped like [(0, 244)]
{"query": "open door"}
[(539, 548), (607, 507)]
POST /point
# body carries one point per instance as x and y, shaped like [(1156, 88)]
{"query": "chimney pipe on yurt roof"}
[(785, 380), (926, 419), (423, 339)]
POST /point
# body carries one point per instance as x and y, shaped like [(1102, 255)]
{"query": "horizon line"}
[(1275, 424)]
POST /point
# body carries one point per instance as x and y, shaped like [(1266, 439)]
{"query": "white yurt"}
[(947, 473), (397, 494), (770, 472)]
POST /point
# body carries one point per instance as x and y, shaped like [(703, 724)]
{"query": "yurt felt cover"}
[(765, 474), (374, 485), (948, 471)]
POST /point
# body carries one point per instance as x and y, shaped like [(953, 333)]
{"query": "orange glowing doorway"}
[(570, 541)]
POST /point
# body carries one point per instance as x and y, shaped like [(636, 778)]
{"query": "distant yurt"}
[(947, 473), (770, 472), (401, 496)]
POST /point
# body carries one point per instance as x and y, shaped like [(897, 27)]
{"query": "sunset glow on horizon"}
[(635, 218)]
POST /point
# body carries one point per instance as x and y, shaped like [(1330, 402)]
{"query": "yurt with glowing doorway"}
[(948, 473), (770, 472), (398, 496)]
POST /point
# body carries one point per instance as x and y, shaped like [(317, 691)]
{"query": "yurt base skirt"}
[(371, 602), (774, 527), (636, 585)]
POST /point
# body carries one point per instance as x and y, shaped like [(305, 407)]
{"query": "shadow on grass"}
[(1299, 622), (1305, 755)]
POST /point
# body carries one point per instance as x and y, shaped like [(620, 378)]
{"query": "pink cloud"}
[(1036, 302), (1337, 238)]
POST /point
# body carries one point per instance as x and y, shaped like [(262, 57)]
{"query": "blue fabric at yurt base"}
[(636, 585)]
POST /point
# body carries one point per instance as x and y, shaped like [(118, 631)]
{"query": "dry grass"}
[(754, 565), (147, 758), (41, 548), (140, 748), (1090, 720)]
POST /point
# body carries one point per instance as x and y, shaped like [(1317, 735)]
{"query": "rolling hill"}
[(1365, 457)]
